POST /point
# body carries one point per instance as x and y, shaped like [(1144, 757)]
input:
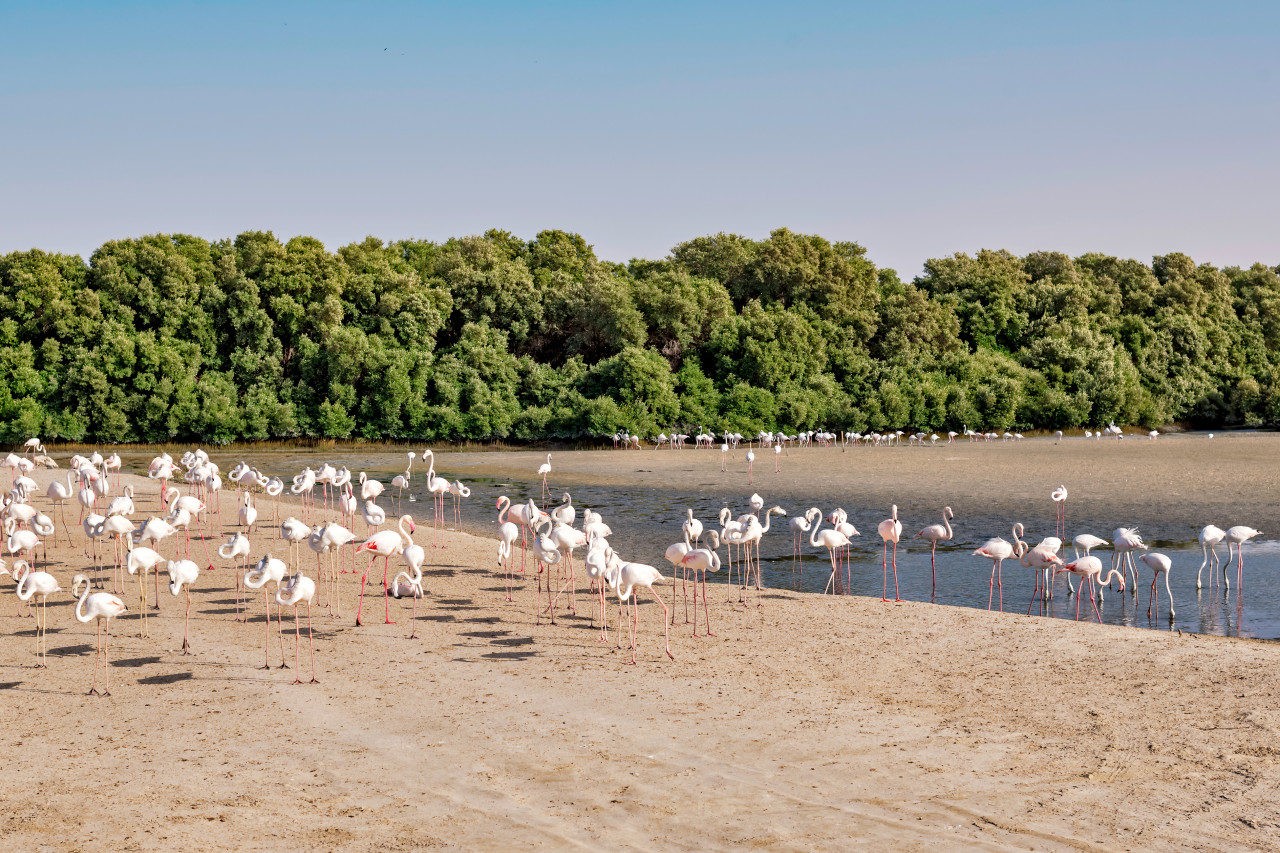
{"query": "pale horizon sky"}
[(1130, 128)]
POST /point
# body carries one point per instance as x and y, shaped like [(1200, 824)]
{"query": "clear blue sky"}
[(916, 129)]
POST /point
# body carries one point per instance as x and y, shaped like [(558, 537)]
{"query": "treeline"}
[(177, 338)]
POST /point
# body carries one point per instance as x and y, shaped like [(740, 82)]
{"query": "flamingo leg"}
[(266, 650), (896, 596), (186, 623), (386, 591), (297, 642)]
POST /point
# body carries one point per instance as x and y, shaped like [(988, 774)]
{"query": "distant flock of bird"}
[(548, 533)]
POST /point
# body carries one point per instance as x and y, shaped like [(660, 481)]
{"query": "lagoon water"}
[(647, 518)]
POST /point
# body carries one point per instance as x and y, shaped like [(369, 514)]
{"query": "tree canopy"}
[(172, 337)]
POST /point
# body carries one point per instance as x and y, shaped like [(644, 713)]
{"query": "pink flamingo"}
[(1210, 536), (1160, 565), (269, 569), (704, 559), (1237, 536), (182, 574), (934, 534), (997, 551), (1089, 568), (624, 578), (298, 590), (385, 544), (543, 470), (751, 459), (829, 539), (507, 535), (102, 606), (1059, 497), (890, 530)]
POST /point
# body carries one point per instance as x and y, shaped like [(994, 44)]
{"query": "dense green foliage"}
[(173, 337)]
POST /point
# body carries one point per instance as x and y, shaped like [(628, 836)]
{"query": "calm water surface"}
[(646, 520)]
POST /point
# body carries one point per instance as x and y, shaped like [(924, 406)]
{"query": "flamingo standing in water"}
[(1210, 536), (800, 525), (704, 559), (297, 590), (385, 544), (1059, 497), (182, 574), (751, 460), (1081, 545), (997, 551), (934, 534), (102, 606), (1160, 565), (1237, 536), (1089, 569), (1126, 540), (829, 539), (890, 530), (543, 470)]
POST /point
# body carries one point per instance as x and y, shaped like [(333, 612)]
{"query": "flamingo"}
[(997, 551), (335, 537), (1059, 496), (565, 513), (459, 490), (93, 531), (274, 487), (624, 579), (704, 559), (751, 460), (777, 459), (140, 561), (60, 494), (692, 528), (1210, 536), (829, 539), (543, 470), (385, 544), (567, 540), (374, 516), (1126, 540), (438, 487), (104, 607), (1160, 565), (1089, 568), (524, 517), (890, 530), (297, 590), (121, 530), (182, 574), (269, 569), (674, 554), (294, 532), (597, 561), (750, 537), (181, 516), (1237, 536), (544, 548), (508, 532), (21, 540), (1082, 545), (414, 555), (248, 513), (1042, 559), (31, 584), (936, 533), (370, 489), (237, 548), (800, 525)]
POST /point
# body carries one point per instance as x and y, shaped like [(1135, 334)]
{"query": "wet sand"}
[(809, 723)]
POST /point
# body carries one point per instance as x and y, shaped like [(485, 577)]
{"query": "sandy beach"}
[(811, 723)]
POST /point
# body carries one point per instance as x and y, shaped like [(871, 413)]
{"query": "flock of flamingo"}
[(331, 498)]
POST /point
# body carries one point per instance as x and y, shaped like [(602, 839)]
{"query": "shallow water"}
[(646, 520)]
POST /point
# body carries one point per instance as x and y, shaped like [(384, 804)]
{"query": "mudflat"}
[(809, 722)]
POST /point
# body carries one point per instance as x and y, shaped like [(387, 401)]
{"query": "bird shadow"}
[(509, 655), (439, 617), (135, 662), (67, 651), (475, 571), (439, 573), (9, 685), (483, 620), (488, 635), (513, 641), (172, 678), (455, 601), (221, 611)]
